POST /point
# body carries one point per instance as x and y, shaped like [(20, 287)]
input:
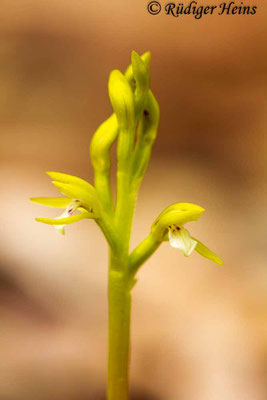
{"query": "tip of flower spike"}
[(146, 57), (140, 73), (134, 53), (136, 58)]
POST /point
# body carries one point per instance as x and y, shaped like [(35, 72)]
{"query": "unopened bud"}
[(121, 98), (101, 143)]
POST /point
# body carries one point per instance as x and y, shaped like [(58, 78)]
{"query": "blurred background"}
[(199, 331)]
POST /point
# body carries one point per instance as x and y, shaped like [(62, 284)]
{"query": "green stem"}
[(141, 253), (119, 297), (126, 199)]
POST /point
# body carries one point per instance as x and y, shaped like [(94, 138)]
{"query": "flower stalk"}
[(119, 315), (134, 125)]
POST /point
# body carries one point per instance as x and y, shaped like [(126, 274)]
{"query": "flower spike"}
[(134, 125)]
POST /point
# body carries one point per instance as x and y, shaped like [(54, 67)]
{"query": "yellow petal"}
[(58, 202), (70, 179), (207, 253), (64, 221), (80, 193)]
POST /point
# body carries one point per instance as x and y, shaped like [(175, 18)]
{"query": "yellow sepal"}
[(71, 179), (204, 251), (65, 221), (57, 202), (89, 199), (176, 214)]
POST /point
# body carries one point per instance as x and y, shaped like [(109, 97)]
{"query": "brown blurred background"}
[(199, 330)]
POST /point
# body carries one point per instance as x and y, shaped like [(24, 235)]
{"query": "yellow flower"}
[(81, 198), (169, 226)]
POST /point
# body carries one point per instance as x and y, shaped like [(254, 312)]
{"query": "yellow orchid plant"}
[(134, 125)]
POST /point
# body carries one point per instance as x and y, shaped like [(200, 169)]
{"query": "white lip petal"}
[(180, 238), (72, 207), (60, 229)]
